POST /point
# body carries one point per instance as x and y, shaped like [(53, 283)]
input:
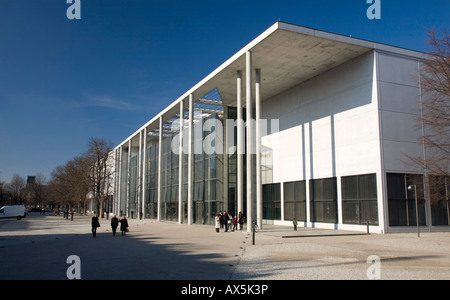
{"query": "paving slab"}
[(37, 247)]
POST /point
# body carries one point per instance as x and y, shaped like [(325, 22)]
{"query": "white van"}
[(13, 211)]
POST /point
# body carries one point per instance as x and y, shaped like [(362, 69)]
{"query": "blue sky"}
[(64, 81)]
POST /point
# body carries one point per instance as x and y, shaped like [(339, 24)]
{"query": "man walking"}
[(114, 224), (95, 225)]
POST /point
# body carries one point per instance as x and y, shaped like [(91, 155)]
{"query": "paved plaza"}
[(38, 246)]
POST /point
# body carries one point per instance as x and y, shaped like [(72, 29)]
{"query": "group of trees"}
[(84, 179), (19, 191), (73, 186)]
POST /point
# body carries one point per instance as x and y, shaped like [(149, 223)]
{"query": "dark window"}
[(440, 200), (402, 201), (295, 200), (323, 197), (271, 201), (359, 199)]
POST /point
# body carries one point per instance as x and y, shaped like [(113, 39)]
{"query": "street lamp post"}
[(417, 207)]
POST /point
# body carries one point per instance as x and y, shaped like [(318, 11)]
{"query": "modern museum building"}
[(301, 124)]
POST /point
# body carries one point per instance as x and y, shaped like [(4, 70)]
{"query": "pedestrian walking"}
[(221, 219), (124, 225), (241, 220), (235, 222), (225, 220), (95, 225), (295, 223), (114, 224), (230, 222), (217, 223)]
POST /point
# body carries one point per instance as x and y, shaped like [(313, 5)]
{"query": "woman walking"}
[(124, 225), (217, 221)]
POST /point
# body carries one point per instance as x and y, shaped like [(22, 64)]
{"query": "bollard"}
[(253, 231)]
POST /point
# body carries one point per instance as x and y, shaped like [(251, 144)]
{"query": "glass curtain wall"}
[(169, 182), (151, 172), (134, 185), (123, 182), (208, 169), (232, 206), (208, 185)]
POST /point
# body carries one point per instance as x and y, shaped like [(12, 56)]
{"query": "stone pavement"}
[(37, 247)]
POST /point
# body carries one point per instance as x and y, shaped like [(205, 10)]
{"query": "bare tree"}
[(18, 183), (435, 115), (101, 173), (69, 184), (434, 121)]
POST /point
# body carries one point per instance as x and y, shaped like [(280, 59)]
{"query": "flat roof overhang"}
[(287, 55)]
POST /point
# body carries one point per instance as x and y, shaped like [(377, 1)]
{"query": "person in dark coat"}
[(225, 220), (241, 220), (114, 224), (123, 225), (95, 225)]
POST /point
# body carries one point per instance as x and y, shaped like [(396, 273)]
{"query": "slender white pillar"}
[(144, 170), (127, 201), (180, 167), (139, 177), (240, 145), (190, 159), (248, 87), (159, 168), (259, 206), (119, 180)]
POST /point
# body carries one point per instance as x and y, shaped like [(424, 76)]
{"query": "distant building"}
[(335, 121), (31, 180)]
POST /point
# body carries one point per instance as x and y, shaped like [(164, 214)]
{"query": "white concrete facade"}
[(346, 117)]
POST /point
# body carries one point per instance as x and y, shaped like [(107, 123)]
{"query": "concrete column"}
[(127, 200), (159, 168), (180, 167), (248, 87), (240, 145), (190, 159), (144, 174), (119, 179), (259, 206), (139, 177)]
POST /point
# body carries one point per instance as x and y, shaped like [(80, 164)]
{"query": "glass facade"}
[(151, 173), (208, 177), (138, 179)]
